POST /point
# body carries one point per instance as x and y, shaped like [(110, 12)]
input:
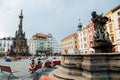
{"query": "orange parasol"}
[(43, 77)]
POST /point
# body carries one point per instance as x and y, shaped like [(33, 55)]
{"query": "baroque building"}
[(83, 40), (113, 26), (42, 44), (19, 46), (5, 44), (55, 46), (69, 45), (31, 45), (90, 33), (85, 37)]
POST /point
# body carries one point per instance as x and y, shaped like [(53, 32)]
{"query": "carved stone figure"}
[(99, 27), (101, 36)]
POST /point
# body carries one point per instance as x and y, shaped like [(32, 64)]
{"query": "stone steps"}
[(62, 76)]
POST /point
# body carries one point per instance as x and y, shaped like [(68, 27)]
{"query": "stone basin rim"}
[(93, 54)]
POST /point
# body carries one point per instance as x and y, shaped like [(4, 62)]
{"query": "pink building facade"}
[(90, 31)]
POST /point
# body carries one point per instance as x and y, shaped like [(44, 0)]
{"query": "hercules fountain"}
[(103, 65)]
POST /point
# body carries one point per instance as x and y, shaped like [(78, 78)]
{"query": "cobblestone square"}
[(22, 66)]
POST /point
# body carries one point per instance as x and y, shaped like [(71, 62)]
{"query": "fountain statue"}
[(103, 65), (102, 42)]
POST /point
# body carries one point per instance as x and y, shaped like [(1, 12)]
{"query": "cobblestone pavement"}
[(23, 71)]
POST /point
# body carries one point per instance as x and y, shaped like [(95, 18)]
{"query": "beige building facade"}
[(69, 45), (113, 26)]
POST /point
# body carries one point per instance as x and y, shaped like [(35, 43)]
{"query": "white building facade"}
[(5, 44), (83, 40), (55, 45), (31, 45)]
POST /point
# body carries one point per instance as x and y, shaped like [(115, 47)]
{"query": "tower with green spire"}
[(19, 46)]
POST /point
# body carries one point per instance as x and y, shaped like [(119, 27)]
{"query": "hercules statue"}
[(101, 36)]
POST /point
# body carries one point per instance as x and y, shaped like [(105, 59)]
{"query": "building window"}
[(112, 39), (8, 45), (109, 19), (81, 46), (118, 13), (110, 27), (80, 34), (119, 22), (84, 38), (0, 45), (85, 45), (75, 42), (84, 33), (75, 47), (4, 45), (3, 49)]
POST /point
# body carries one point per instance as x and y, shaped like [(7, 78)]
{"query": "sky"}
[(58, 17)]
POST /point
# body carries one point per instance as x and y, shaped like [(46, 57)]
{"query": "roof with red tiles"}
[(37, 35), (72, 35)]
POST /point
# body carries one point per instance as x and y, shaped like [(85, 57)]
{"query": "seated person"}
[(32, 66), (39, 61), (54, 59), (52, 64)]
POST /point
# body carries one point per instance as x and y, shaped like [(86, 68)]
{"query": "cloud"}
[(59, 17)]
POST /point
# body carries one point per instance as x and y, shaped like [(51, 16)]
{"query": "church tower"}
[(19, 46)]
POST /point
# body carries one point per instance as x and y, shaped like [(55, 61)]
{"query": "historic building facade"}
[(116, 17), (55, 45), (19, 46), (83, 40), (113, 26), (85, 37), (31, 45), (45, 44), (69, 45), (90, 31), (42, 44), (5, 45)]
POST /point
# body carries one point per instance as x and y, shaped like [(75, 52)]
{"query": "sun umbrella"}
[(43, 77)]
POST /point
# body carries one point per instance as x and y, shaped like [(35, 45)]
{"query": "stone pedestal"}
[(95, 67), (100, 66), (103, 47), (114, 67), (71, 64), (70, 68)]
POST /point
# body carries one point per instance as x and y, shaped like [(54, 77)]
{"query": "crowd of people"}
[(40, 61)]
